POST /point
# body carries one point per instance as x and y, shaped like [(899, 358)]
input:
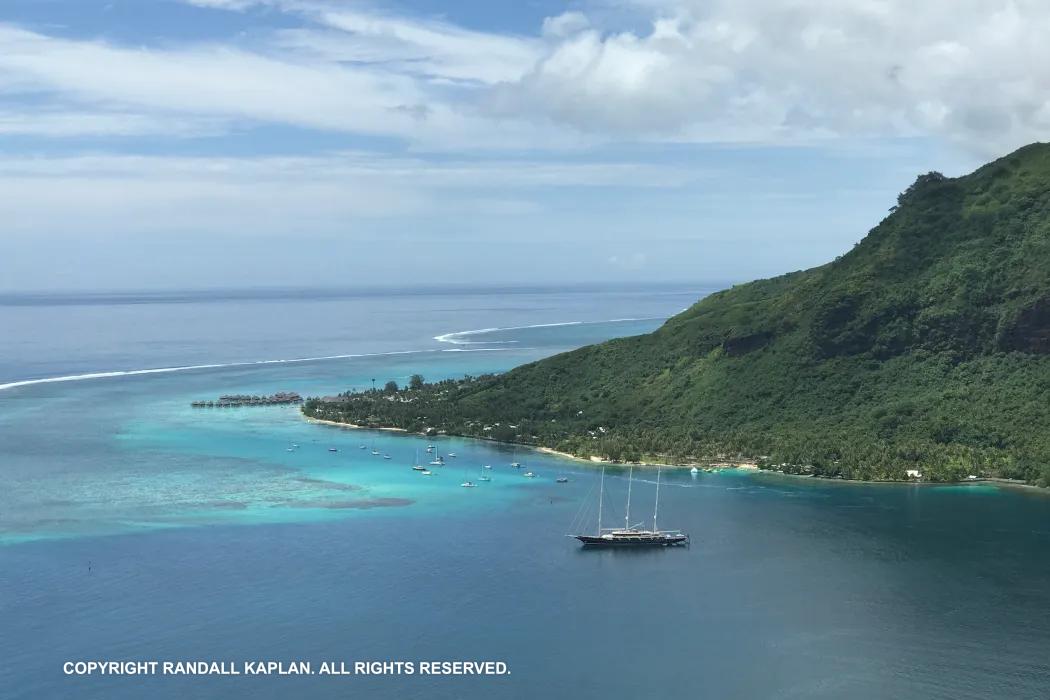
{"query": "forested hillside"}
[(925, 347)]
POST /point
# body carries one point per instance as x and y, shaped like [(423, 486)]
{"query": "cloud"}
[(429, 48), (975, 72), (336, 193), (217, 84), (208, 80), (72, 124)]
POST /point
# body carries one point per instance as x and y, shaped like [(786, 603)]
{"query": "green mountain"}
[(925, 347)]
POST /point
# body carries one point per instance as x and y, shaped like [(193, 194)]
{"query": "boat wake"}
[(460, 337)]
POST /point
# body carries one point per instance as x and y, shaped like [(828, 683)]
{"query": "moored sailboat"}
[(628, 535)]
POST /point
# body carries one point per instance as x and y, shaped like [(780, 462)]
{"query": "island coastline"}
[(747, 466)]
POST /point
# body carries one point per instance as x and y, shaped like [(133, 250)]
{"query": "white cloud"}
[(434, 49), (69, 124), (210, 80), (774, 71), (565, 24), (326, 194), (216, 83), (976, 71)]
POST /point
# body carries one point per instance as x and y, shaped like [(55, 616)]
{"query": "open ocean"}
[(134, 527)]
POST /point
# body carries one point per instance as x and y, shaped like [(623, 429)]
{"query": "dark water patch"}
[(224, 505), (325, 484), (361, 504)]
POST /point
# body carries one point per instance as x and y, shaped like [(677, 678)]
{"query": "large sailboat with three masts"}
[(632, 535)]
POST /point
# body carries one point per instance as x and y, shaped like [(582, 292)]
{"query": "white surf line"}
[(480, 349), (187, 368), (455, 336), (253, 363)]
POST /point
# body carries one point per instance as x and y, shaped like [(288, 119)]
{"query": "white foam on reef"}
[(480, 349), (456, 337), (187, 368)]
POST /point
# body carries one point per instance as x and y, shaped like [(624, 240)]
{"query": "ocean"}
[(135, 527)]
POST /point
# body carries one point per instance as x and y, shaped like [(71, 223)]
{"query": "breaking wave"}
[(458, 337)]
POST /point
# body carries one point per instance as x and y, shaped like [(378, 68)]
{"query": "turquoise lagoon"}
[(135, 527)]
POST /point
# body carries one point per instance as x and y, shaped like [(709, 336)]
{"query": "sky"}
[(148, 144)]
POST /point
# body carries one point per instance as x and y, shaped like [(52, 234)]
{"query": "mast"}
[(656, 508), (627, 517), (601, 493)]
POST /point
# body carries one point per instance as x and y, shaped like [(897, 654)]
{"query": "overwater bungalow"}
[(233, 400)]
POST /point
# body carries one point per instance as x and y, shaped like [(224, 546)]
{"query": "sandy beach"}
[(747, 466), (352, 426)]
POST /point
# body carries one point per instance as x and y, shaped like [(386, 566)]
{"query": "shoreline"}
[(349, 426), (997, 481), (743, 465)]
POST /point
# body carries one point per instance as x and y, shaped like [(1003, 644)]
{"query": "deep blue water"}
[(208, 539)]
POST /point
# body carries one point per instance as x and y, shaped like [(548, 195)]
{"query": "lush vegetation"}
[(925, 347)]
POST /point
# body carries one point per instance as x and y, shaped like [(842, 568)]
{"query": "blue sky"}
[(202, 143)]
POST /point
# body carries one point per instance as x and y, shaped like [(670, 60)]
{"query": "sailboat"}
[(468, 484), (419, 467), (631, 535), (375, 452), (437, 461)]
